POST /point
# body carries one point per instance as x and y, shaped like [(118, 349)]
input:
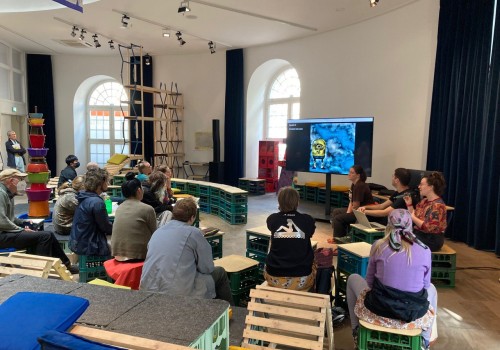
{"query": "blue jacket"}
[(90, 226)]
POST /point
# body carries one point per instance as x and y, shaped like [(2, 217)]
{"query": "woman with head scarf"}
[(397, 291)]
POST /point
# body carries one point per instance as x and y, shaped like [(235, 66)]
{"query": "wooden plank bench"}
[(20, 265), (56, 267)]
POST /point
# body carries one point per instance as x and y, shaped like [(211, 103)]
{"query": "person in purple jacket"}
[(397, 291)]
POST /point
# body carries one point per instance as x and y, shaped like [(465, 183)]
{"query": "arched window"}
[(108, 130), (282, 102)]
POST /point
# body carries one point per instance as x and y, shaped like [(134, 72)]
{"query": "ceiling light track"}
[(255, 15), (163, 26)]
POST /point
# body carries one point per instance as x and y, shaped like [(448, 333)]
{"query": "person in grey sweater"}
[(66, 204), (179, 260)]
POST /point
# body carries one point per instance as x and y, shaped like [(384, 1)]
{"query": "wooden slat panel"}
[(283, 340), (284, 325), (124, 340), (291, 298), (284, 311)]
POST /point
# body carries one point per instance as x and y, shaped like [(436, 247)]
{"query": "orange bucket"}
[(38, 209)]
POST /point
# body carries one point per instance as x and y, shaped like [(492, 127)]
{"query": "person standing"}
[(68, 173), (15, 152)]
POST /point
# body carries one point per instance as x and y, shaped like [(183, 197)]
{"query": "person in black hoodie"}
[(290, 262), (91, 221)]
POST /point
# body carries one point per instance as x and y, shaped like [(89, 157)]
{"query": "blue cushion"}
[(54, 340), (26, 316)]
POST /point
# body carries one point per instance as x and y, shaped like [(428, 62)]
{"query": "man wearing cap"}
[(14, 232), (15, 152)]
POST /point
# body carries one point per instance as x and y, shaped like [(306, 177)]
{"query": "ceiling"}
[(44, 26)]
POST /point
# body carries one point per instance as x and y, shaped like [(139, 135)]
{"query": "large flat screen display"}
[(329, 146)]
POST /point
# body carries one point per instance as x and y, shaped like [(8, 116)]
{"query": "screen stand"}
[(327, 194)]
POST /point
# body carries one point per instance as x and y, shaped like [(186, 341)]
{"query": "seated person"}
[(398, 288), (66, 204), (400, 181), (179, 259), (359, 195), (154, 192), (144, 171), (289, 263), (68, 173), (134, 223), (92, 166), (429, 216), (14, 232), (168, 185), (91, 221)]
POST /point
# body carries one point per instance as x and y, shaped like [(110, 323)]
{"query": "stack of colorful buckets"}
[(38, 171)]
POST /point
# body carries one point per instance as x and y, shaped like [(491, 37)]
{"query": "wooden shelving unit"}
[(167, 115)]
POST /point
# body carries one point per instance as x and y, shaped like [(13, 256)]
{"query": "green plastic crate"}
[(92, 267), (377, 340), (216, 244), (257, 244), (443, 277), (243, 279), (358, 235), (448, 261)]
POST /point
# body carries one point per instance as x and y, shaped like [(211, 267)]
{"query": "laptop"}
[(363, 221)]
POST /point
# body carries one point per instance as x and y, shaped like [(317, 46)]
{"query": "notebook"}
[(363, 221), (209, 231)]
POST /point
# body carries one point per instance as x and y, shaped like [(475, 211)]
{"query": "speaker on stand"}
[(216, 167)]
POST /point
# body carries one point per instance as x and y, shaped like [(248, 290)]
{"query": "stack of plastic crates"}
[(257, 248), (444, 265), (312, 189), (216, 337), (92, 267), (374, 339), (181, 186), (241, 282), (234, 207), (350, 261), (216, 244)]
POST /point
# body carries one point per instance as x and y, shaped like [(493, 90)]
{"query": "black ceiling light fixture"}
[(96, 41), (184, 7), (82, 34), (179, 38), (211, 47), (147, 59), (125, 21), (111, 44), (373, 3), (73, 32)]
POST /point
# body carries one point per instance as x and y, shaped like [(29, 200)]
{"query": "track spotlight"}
[(82, 34), (73, 32), (178, 35), (166, 33), (182, 42), (125, 21), (211, 47), (147, 60), (96, 41), (184, 7), (111, 44), (373, 3), (179, 38)]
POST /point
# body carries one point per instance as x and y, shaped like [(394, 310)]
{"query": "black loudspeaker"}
[(216, 140), (216, 172)]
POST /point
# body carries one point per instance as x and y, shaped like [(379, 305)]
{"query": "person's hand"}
[(27, 228), (362, 209), (407, 198)]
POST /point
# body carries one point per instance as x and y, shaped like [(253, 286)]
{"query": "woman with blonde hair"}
[(397, 290), (66, 204)]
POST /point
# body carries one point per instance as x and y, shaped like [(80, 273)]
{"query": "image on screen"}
[(332, 147)]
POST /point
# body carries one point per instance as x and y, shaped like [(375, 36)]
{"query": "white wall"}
[(69, 73), (383, 67)]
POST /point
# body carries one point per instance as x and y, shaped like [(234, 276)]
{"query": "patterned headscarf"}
[(400, 224)]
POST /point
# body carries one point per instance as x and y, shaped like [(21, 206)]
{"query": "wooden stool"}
[(281, 317), (243, 274), (375, 337), (444, 265), (125, 273)]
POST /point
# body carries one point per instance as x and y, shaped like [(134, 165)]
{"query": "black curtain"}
[(136, 141), (462, 133), (234, 126), (41, 94)]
